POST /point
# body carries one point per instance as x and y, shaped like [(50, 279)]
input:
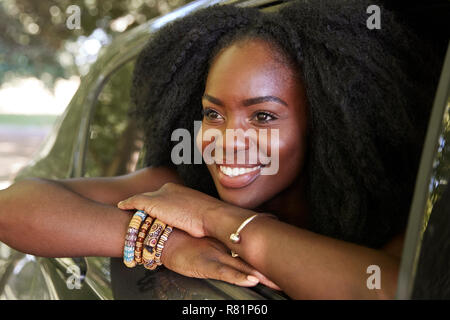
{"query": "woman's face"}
[(248, 88)]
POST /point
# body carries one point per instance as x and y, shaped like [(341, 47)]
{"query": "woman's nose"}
[(235, 142)]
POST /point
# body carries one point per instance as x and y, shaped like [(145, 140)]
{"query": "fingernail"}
[(120, 203), (252, 279)]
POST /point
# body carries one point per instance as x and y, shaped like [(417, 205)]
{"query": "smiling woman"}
[(256, 92), (346, 105), (339, 110), (353, 105)]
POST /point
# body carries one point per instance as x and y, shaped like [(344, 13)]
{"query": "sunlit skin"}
[(239, 75), (81, 218), (284, 250)]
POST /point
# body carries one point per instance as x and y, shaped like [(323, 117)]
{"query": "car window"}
[(432, 279), (114, 142), (425, 268), (113, 148)]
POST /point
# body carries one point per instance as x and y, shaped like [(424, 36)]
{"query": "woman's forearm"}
[(43, 218), (304, 264)]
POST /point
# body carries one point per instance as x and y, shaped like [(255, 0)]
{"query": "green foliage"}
[(33, 33), (114, 138), (27, 120), (441, 166)]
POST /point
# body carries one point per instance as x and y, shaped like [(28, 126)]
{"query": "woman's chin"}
[(247, 198), (241, 202)]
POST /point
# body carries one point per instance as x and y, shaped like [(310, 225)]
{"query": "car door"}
[(114, 147), (425, 267)]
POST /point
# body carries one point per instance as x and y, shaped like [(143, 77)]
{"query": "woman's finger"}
[(244, 267), (163, 208), (220, 271), (137, 202), (266, 281)]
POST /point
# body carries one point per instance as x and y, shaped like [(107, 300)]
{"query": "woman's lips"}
[(237, 176)]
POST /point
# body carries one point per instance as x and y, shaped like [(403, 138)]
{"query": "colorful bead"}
[(148, 255), (160, 246), (155, 231), (131, 237), (140, 239)]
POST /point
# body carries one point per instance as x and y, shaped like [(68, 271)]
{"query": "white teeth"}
[(233, 172)]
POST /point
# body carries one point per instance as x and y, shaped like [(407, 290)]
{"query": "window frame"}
[(412, 245)]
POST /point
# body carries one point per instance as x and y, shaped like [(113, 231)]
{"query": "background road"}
[(18, 143)]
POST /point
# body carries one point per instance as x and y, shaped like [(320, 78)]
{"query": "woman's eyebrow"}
[(247, 102)]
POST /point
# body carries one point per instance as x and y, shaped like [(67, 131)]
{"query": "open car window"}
[(114, 141), (425, 267)]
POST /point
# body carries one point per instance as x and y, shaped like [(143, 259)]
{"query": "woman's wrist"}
[(223, 219), (170, 245)]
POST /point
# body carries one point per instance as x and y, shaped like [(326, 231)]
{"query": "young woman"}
[(350, 106)]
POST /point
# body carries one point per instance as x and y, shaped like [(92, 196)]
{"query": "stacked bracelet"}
[(145, 241), (160, 245), (140, 239), (131, 237), (150, 242)]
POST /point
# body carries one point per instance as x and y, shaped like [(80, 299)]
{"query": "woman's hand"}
[(179, 206), (186, 209), (208, 258)]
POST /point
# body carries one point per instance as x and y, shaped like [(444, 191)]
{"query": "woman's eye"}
[(264, 117), (211, 115)]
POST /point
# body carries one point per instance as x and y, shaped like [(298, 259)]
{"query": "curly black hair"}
[(369, 97)]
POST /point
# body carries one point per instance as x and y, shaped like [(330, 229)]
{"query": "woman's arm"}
[(110, 190), (303, 264), (43, 218), (72, 217)]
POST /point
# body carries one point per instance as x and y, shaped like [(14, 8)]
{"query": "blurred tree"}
[(35, 40), (441, 167), (114, 139)]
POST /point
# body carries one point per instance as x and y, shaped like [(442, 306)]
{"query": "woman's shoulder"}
[(394, 246)]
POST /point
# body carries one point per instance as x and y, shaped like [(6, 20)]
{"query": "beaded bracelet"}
[(131, 237), (148, 259), (150, 242), (160, 245), (140, 239)]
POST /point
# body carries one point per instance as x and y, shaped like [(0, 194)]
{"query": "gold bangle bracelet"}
[(236, 237)]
